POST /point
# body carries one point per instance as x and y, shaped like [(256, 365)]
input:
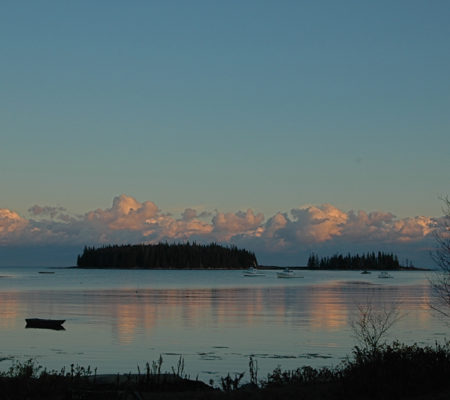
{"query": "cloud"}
[(286, 235), (11, 225), (52, 212), (317, 224), (189, 214), (412, 229), (126, 213), (226, 225)]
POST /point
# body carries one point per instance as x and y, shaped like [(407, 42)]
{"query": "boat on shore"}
[(40, 323), (365, 272)]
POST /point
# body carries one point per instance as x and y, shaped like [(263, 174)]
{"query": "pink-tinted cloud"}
[(11, 225), (126, 213), (226, 225), (317, 224), (300, 230)]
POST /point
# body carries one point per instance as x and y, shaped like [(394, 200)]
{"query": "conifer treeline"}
[(366, 261), (164, 255)]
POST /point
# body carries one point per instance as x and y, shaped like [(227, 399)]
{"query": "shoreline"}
[(261, 267), (386, 371)]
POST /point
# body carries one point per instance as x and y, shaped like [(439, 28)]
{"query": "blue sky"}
[(225, 106)]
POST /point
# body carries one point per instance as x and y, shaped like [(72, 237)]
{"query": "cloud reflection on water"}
[(119, 325), (326, 307)]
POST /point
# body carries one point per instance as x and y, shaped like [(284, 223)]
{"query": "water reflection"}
[(323, 307), (9, 304), (119, 326), (327, 310)]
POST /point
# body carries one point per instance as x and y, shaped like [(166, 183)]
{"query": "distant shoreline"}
[(348, 269), (261, 267)]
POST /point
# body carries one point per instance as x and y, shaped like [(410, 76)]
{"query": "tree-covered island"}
[(378, 261), (166, 256)]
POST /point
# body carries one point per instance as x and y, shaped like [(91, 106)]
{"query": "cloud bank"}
[(282, 239)]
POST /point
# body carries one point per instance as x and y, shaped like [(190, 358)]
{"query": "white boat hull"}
[(253, 272), (287, 275), (282, 275), (249, 274)]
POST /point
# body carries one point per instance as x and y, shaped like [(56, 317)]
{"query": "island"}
[(368, 261), (166, 256)]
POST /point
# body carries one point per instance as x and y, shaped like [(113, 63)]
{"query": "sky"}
[(284, 127)]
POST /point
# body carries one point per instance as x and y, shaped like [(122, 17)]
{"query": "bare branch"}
[(371, 325), (441, 256)]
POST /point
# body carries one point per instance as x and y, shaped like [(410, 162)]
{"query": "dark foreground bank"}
[(393, 371)]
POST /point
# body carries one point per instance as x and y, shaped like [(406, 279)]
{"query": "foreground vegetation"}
[(394, 371), (164, 255)]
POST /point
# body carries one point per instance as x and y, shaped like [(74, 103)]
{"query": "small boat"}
[(46, 272), (55, 324), (384, 275), (365, 272), (288, 273), (253, 271)]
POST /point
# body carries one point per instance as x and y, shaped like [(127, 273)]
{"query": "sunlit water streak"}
[(116, 320)]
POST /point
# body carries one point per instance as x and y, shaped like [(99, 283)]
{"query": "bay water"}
[(215, 320)]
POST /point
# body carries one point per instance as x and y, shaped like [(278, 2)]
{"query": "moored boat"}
[(288, 273), (55, 324), (384, 275), (253, 271)]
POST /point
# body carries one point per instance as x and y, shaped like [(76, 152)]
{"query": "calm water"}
[(116, 320)]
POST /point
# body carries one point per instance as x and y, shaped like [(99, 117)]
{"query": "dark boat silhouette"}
[(55, 324)]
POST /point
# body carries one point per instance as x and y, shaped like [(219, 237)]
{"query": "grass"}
[(389, 371)]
